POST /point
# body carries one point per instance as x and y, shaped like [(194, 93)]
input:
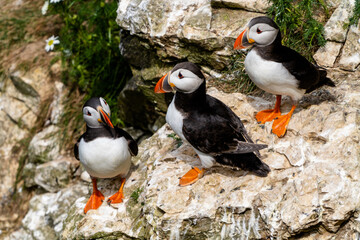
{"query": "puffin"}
[(213, 130), (105, 151), (277, 69)]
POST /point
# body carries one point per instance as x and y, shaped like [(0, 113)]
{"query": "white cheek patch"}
[(188, 83), (266, 37), (91, 121)]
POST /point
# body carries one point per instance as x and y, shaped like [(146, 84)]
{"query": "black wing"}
[(219, 108), (133, 147), (309, 75), (303, 70), (215, 129)]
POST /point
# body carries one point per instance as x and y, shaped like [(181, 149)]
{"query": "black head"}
[(192, 67), (96, 113), (263, 20)]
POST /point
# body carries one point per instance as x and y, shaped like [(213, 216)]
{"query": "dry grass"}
[(23, 32)]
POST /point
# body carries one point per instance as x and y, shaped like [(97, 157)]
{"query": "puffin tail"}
[(246, 161), (323, 80)]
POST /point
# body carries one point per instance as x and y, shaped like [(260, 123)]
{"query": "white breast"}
[(271, 76), (105, 157), (175, 119)]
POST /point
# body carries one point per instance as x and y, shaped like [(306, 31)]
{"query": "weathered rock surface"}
[(47, 212), (21, 94), (168, 27), (334, 28), (350, 57), (25, 94), (44, 146), (253, 6), (327, 54), (57, 106), (56, 174), (137, 109), (312, 192), (342, 47)]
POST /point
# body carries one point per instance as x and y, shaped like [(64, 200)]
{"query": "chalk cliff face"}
[(312, 191)]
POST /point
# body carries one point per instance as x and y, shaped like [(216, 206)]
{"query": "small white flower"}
[(45, 7), (51, 42), (55, 1)]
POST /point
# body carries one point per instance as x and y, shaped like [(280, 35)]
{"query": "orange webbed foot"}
[(118, 197), (191, 176), (280, 123), (94, 201), (267, 115)]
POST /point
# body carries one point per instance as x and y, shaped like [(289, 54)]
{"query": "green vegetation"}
[(300, 30), (136, 194), (237, 69), (355, 18), (89, 45), (178, 140)]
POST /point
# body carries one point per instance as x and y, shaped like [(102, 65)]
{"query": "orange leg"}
[(269, 114), (95, 199), (280, 123), (118, 197), (191, 176)]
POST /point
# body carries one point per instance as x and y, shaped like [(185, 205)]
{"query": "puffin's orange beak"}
[(105, 118), (163, 86), (243, 41)]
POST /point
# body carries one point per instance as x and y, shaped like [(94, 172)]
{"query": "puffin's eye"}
[(88, 113), (180, 75), (258, 31), (103, 100)]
